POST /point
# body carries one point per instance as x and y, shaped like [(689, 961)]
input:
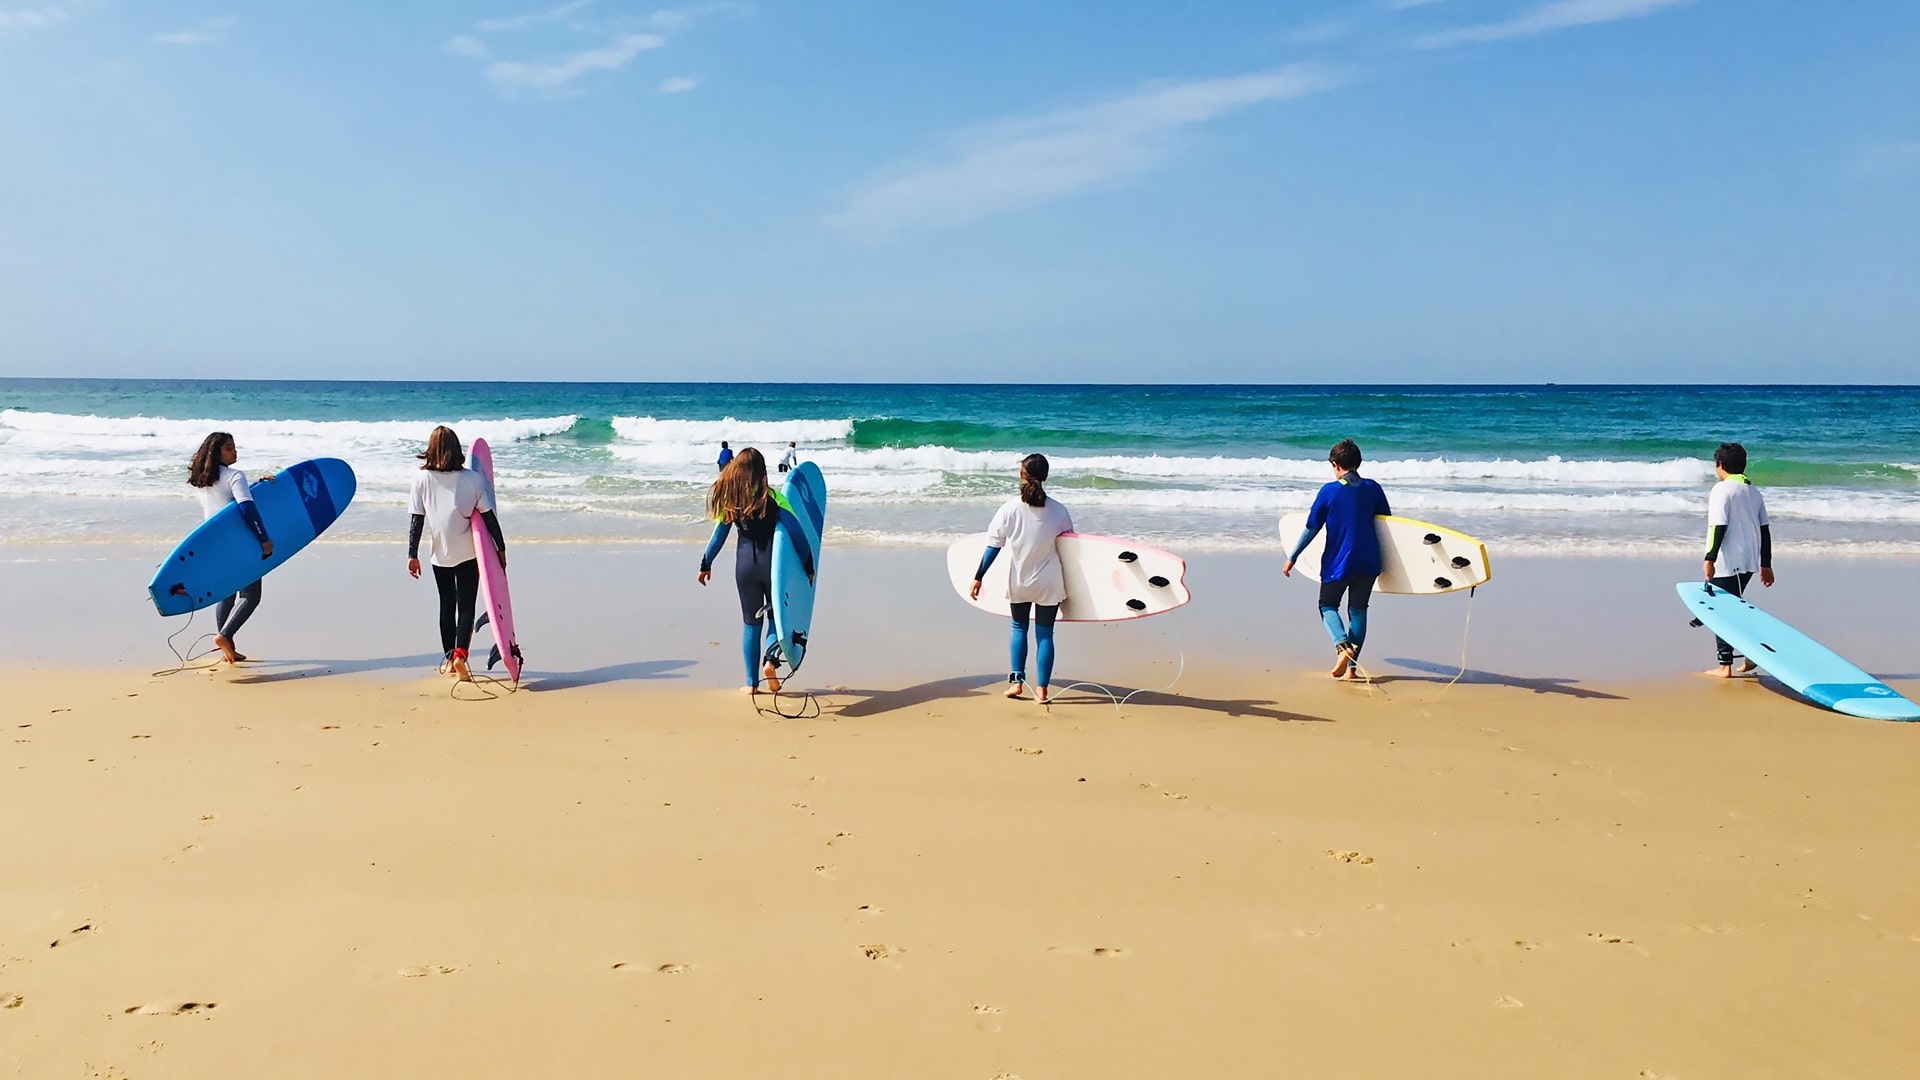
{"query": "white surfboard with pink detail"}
[(1107, 579), (495, 600)]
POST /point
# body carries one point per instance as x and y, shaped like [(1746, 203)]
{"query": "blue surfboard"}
[(806, 493), (1802, 664), (221, 557)]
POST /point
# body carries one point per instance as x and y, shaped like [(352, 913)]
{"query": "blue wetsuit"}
[(1351, 562), (753, 574)]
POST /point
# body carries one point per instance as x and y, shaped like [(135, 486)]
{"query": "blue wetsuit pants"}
[(1358, 591), (1041, 616), (235, 610)]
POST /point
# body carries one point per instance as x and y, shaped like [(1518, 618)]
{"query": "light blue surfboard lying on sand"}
[(1802, 664), (806, 494), (221, 557)]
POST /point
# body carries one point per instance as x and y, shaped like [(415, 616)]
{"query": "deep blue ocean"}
[(1536, 469)]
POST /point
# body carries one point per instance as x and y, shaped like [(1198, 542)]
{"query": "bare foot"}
[(1343, 666), (1746, 667), (460, 669), (1724, 671), (226, 648), (1041, 695), (1015, 689), (771, 676)]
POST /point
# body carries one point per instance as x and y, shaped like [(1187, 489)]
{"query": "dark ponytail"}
[(204, 471), (1033, 470)]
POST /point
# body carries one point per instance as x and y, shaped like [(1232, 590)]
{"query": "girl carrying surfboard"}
[(218, 483), (444, 499), (740, 496), (1028, 527)]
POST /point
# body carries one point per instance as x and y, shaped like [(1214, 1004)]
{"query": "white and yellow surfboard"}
[(1418, 558)]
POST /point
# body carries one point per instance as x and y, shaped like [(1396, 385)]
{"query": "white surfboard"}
[(1107, 579), (1417, 558)]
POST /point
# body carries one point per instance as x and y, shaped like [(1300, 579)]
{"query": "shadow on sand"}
[(880, 702), (273, 671), (1443, 673), (638, 671)]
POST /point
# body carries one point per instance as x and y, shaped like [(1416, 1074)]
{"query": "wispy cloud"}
[(1887, 161), (208, 32), (33, 18), (553, 76), (1020, 162), (508, 25), (1545, 19)]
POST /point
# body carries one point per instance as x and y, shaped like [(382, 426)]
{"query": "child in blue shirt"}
[(1346, 509)]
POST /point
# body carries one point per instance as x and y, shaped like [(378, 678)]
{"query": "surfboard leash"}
[(1180, 668), (1466, 631), (186, 660)]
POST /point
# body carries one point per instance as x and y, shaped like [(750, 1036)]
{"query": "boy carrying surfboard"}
[(1739, 541), (1351, 562)]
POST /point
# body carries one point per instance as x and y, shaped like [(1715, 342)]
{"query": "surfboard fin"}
[(1158, 582), (481, 622), (1137, 604), (493, 657), (1430, 538), (1442, 583), (1129, 557), (1696, 623), (1461, 562)]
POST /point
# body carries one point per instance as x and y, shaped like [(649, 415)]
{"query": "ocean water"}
[(1529, 469)]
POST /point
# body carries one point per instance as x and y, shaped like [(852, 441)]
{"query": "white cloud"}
[(681, 18), (522, 22), (1558, 15), (553, 76), (1021, 162), (209, 31), (467, 45), (679, 84), (1887, 161), (33, 18)]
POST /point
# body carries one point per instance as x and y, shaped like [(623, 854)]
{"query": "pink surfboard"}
[(494, 597)]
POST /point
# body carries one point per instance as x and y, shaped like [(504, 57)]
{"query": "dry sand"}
[(325, 869)]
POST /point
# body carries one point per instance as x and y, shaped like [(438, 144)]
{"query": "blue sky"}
[(1349, 191)]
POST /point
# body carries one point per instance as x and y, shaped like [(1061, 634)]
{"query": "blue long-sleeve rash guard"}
[(251, 515)]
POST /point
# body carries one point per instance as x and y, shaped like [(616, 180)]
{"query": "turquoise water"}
[(1529, 468)]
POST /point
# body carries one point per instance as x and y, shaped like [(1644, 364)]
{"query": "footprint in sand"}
[(839, 836), (1027, 751), (83, 930), (421, 971), (879, 952), (171, 1008), (11, 1000), (985, 1010), (673, 969), (1508, 1001), (1107, 951), (871, 910), (825, 870), (1350, 857)]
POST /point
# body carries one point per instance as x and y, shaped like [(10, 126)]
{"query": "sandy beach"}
[(333, 867)]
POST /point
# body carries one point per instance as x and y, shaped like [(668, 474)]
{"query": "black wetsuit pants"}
[(459, 590), (235, 610), (1737, 585)]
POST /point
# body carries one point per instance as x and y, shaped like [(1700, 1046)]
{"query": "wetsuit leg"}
[(443, 583), (1737, 585), (1017, 643), (1330, 594), (233, 616), (753, 580), (467, 595), (1043, 616), (1359, 594)]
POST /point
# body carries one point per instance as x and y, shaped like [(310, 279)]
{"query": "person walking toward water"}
[(726, 455), (1027, 527), (1739, 540), (1351, 562), (741, 497), (444, 499), (217, 483), (791, 458)]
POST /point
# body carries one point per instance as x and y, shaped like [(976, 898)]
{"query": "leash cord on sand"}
[(1118, 701), (1466, 631), (186, 659)]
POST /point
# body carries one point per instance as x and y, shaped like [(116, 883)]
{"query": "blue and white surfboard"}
[(221, 557), (806, 496), (1802, 664)]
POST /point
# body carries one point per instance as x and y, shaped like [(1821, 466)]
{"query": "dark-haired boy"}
[(1739, 540), (1350, 562)]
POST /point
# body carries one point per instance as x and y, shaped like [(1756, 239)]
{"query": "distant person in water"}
[(1028, 528), (218, 484), (1739, 540), (1350, 562), (740, 497), (726, 455), (791, 458), (444, 499)]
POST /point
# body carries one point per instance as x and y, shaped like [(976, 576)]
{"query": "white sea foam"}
[(708, 434)]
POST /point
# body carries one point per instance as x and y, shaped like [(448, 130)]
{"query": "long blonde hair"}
[(740, 492)]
